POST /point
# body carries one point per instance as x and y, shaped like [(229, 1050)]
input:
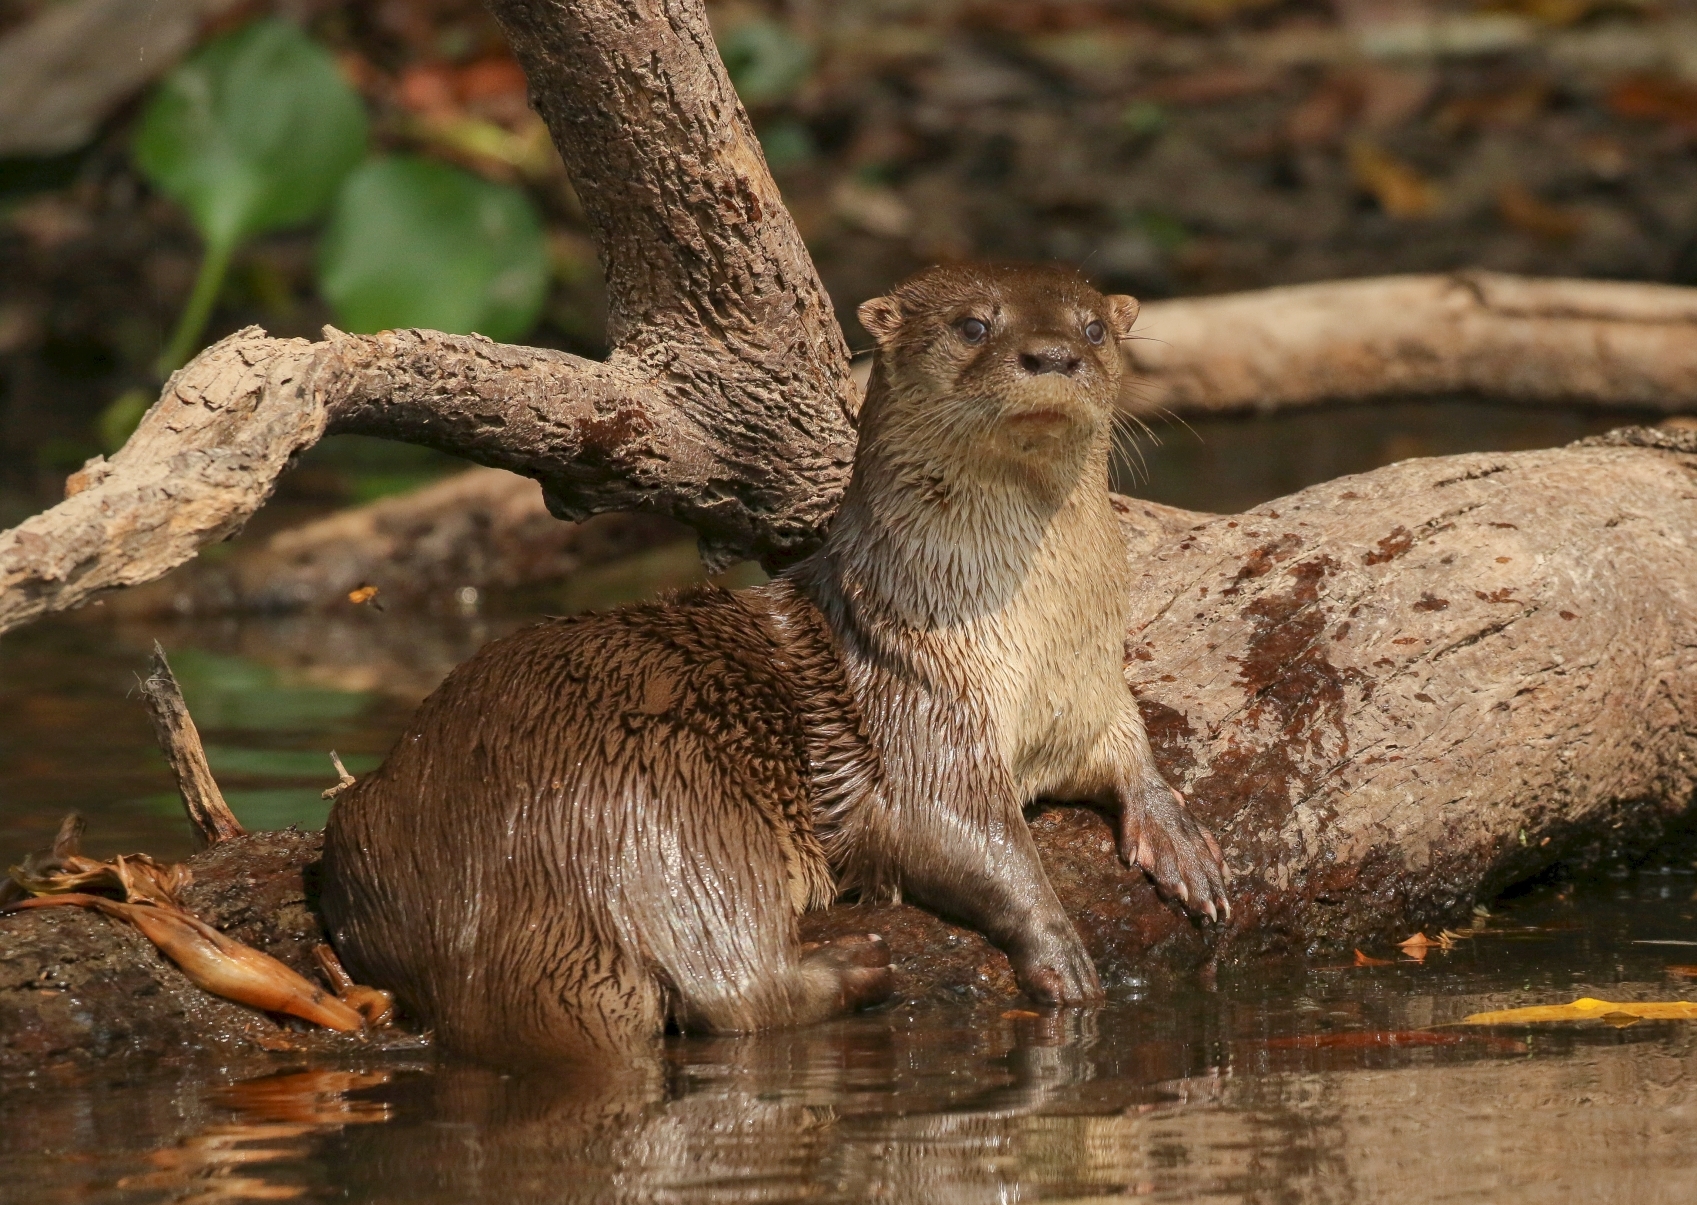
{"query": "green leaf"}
[(766, 62), (253, 133), (416, 243)]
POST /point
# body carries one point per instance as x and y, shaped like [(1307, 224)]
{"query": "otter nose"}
[(1038, 358)]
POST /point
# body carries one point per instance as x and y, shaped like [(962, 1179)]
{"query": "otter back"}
[(594, 824)]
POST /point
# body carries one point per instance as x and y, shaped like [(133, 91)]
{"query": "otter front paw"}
[(1158, 833), (1056, 969)]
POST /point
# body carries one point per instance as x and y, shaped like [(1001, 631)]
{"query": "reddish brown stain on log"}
[(1170, 736), (1428, 602), (1392, 546), (1276, 751), (1262, 561)]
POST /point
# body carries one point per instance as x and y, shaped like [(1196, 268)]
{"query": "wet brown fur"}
[(601, 823)]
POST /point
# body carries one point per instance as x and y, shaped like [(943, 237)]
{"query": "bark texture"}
[(757, 471)]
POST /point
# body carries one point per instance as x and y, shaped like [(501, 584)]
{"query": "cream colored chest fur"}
[(1019, 620)]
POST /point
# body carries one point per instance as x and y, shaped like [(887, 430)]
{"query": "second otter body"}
[(598, 825)]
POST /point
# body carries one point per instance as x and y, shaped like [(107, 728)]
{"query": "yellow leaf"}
[(1588, 1009), (1523, 210), (1402, 192)]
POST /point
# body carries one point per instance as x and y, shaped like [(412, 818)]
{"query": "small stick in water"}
[(342, 773), (208, 813)]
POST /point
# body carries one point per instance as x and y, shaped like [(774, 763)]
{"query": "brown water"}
[(1310, 1080)]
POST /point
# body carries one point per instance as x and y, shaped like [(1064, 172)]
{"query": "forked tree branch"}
[(726, 400)]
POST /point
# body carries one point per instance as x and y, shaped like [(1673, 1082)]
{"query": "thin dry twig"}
[(209, 815)]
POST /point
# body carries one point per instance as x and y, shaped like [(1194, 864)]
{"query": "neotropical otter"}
[(600, 824)]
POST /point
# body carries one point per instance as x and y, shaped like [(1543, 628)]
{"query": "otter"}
[(602, 825)]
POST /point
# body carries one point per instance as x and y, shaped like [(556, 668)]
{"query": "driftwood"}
[(1386, 722), (66, 71), (209, 816), (486, 529), (1545, 342), (1389, 694), (208, 454)]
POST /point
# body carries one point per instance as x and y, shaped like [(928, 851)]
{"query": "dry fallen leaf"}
[(1401, 191), (1586, 1008), (1525, 212), (1362, 960), (1656, 99)]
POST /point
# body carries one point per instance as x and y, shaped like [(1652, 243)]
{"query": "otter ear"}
[(882, 317), (1122, 312)]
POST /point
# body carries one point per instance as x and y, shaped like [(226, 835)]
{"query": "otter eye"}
[(1095, 333), (973, 330)]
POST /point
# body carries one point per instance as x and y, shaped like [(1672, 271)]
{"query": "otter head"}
[(992, 368)]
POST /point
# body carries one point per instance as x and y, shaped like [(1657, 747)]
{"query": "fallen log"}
[(1608, 344), (1391, 695), (486, 529), (1388, 694)]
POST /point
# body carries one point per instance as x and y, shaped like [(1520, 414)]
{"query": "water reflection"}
[(881, 1110), (1286, 1083), (273, 1116), (1289, 1082)]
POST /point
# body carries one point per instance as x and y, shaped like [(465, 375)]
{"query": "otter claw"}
[(1190, 866)]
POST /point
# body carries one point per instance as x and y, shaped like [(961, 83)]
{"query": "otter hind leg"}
[(718, 924), (855, 966), (820, 980)]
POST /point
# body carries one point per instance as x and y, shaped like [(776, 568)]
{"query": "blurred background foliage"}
[(375, 163)]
